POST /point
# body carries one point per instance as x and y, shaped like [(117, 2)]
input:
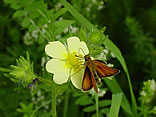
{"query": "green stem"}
[(66, 104), (54, 95), (97, 104), (32, 115)]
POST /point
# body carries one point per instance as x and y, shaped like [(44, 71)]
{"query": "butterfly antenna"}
[(92, 51), (81, 50)]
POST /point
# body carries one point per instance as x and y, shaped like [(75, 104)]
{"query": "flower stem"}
[(54, 95), (97, 104), (66, 104)]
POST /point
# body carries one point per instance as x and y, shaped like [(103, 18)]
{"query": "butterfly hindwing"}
[(87, 82)]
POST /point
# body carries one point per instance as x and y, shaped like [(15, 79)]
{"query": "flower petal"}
[(73, 44), (61, 77), (84, 48), (77, 78), (56, 49), (59, 69)]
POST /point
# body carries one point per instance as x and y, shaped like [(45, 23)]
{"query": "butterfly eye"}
[(86, 59)]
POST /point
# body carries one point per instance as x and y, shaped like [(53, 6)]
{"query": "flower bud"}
[(23, 72)]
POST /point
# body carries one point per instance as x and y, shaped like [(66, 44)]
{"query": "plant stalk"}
[(54, 95), (97, 104), (66, 104)]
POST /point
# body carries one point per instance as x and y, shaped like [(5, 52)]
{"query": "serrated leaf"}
[(90, 109)]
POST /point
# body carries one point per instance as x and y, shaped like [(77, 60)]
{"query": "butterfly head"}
[(87, 57)]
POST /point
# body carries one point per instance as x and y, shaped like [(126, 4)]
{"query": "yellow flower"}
[(67, 61)]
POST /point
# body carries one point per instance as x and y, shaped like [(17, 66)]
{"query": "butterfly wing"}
[(103, 70), (88, 80)]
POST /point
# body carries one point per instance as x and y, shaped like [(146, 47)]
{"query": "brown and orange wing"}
[(88, 80), (103, 70)]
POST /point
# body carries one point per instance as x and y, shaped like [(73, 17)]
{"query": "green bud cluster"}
[(23, 72)]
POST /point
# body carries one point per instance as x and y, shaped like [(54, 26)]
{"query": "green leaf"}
[(96, 36), (84, 100), (75, 14), (59, 26), (115, 107), (99, 115), (18, 13), (105, 110), (32, 9), (116, 89), (104, 103), (58, 14), (41, 40), (90, 108), (25, 22), (15, 6), (31, 28), (82, 34)]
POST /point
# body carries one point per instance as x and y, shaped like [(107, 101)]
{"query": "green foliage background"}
[(130, 24)]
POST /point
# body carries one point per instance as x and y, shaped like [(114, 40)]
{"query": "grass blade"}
[(116, 89), (115, 106), (75, 14)]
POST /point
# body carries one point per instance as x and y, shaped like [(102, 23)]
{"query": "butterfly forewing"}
[(103, 70)]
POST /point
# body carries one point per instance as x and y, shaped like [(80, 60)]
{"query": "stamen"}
[(74, 61)]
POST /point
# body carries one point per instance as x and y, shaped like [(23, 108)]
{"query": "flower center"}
[(74, 61)]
